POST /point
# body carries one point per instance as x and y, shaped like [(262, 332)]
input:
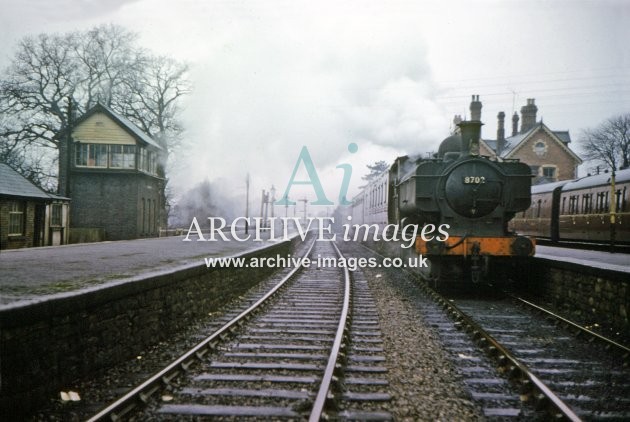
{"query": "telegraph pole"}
[(263, 207), (305, 202), (286, 211), (613, 210), (273, 199), (247, 203)]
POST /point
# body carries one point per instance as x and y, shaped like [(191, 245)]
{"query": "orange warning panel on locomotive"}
[(475, 245)]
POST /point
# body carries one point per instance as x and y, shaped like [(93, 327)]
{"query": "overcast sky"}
[(272, 76)]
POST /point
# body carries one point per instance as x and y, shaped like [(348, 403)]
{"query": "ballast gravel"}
[(422, 380)]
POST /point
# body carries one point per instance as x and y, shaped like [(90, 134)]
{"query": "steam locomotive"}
[(475, 196)]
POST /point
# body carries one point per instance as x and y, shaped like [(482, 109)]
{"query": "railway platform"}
[(28, 275), (70, 311), (594, 259)]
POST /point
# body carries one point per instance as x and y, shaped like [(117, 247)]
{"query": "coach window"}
[(564, 200), (538, 206), (16, 218), (618, 201), (587, 203), (573, 204)]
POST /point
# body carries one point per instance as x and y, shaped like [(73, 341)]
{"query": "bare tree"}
[(150, 98), (34, 92), (30, 160), (108, 57), (104, 65), (609, 143)]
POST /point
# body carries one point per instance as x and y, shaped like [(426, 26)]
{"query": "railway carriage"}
[(371, 205), (579, 210)]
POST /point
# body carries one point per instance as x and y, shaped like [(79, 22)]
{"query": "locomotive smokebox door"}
[(473, 189)]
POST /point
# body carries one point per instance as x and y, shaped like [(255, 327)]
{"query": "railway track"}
[(308, 349), (570, 373), (588, 373), (536, 357)]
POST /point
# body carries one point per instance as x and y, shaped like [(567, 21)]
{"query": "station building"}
[(28, 215), (113, 173), (546, 151)]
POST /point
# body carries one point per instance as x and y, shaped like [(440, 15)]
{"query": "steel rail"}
[(327, 379), (145, 390), (605, 340), (503, 356), (507, 360)]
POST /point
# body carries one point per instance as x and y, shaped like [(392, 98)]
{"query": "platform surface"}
[(32, 272), (595, 259), (35, 272)]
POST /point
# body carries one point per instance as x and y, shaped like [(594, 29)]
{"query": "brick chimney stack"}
[(500, 132), (529, 115), (475, 108), (515, 124)]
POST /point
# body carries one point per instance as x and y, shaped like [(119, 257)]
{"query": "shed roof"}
[(14, 184)]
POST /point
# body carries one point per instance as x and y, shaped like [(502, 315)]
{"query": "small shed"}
[(28, 215)]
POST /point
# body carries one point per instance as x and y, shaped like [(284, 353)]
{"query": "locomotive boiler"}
[(475, 196), (472, 196)]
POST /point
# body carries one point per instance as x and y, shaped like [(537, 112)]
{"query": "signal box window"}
[(91, 155), (122, 156)]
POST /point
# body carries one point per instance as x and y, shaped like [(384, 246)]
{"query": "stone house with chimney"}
[(546, 151)]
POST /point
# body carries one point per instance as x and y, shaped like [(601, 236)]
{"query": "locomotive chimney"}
[(500, 132), (529, 115), (475, 108), (515, 124), (470, 133)]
